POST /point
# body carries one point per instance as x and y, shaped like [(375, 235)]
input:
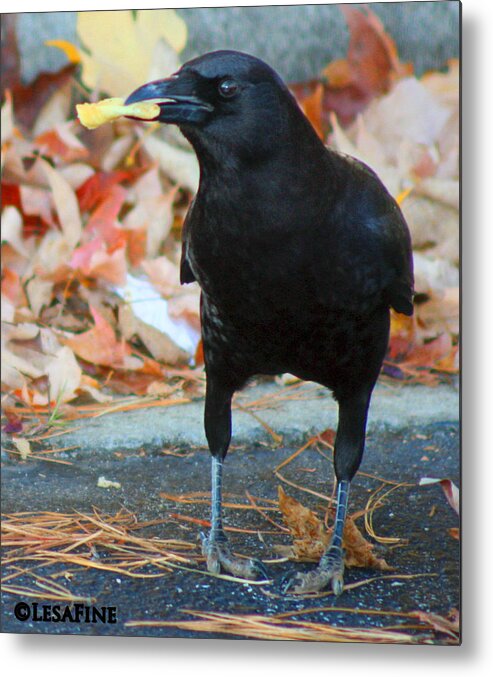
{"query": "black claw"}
[(287, 581), (260, 569)]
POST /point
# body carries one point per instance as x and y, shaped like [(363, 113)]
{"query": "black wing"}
[(370, 241), (186, 272)]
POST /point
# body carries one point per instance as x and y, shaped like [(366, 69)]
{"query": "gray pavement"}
[(291, 413), (413, 432)]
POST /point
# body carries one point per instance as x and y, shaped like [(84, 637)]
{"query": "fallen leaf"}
[(60, 144), (152, 211), (23, 447), (97, 187), (55, 111), (180, 165), (30, 99), (12, 230), (99, 344), (159, 344), (163, 275), (39, 293), (312, 108), (310, 538), (433, 275), (450, 490), (186, 307), (14, 422), (66, 204), (122, 46), (371, 66)]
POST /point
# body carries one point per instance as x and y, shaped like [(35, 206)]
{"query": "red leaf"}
[(58, 143), (96, 188), (29, 99), (372, 64), (103, 221), (12, 287)]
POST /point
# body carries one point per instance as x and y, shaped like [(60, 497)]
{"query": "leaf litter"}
[(83, 212)]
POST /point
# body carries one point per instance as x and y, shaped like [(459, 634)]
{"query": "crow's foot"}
[(330, 570), (219, 555)]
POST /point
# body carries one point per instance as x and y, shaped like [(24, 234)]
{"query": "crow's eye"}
[(228, 88)]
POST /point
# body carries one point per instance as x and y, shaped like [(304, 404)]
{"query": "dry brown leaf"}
[(159, 345), (12, 230), (39, 293), (37, 202), (310, 539), (180, 165), (186, 307), (434, 276), (64, 375), (66, 204), (61, 144), (99, 344), (163, 275), (152, 211), (23, 446)]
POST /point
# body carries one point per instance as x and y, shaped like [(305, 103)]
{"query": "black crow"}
[(300, 253)]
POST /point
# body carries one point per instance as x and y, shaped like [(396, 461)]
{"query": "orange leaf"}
[(99, 345), (60, 143), (103, 220), (312, 107), (372, 54), (310, 538), (430, 353), (371, 66)]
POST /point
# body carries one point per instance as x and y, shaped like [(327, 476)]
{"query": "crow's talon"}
[(219, 555), (287, 581), (297, 583), (260, 568)]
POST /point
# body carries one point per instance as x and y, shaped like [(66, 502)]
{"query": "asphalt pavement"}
[(157, 454)]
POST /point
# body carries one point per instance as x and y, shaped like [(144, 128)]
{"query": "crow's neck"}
[(293, 147)]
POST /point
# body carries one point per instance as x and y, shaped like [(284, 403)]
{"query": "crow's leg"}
[(215, 546), (348, 451)]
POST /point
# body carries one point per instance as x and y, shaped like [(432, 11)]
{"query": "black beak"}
[(176, 98)]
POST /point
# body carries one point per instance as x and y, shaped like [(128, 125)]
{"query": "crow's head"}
[(224, 102)]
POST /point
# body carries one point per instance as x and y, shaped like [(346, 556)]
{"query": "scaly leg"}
[(348, 452), (215, 546), (330, 569)]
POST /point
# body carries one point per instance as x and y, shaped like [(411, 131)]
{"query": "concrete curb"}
[(294, 419)]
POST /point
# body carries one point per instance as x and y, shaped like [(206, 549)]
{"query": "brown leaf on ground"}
[(29, 98), (371, 66), (159, 344), (310, 538), (99, 345)]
